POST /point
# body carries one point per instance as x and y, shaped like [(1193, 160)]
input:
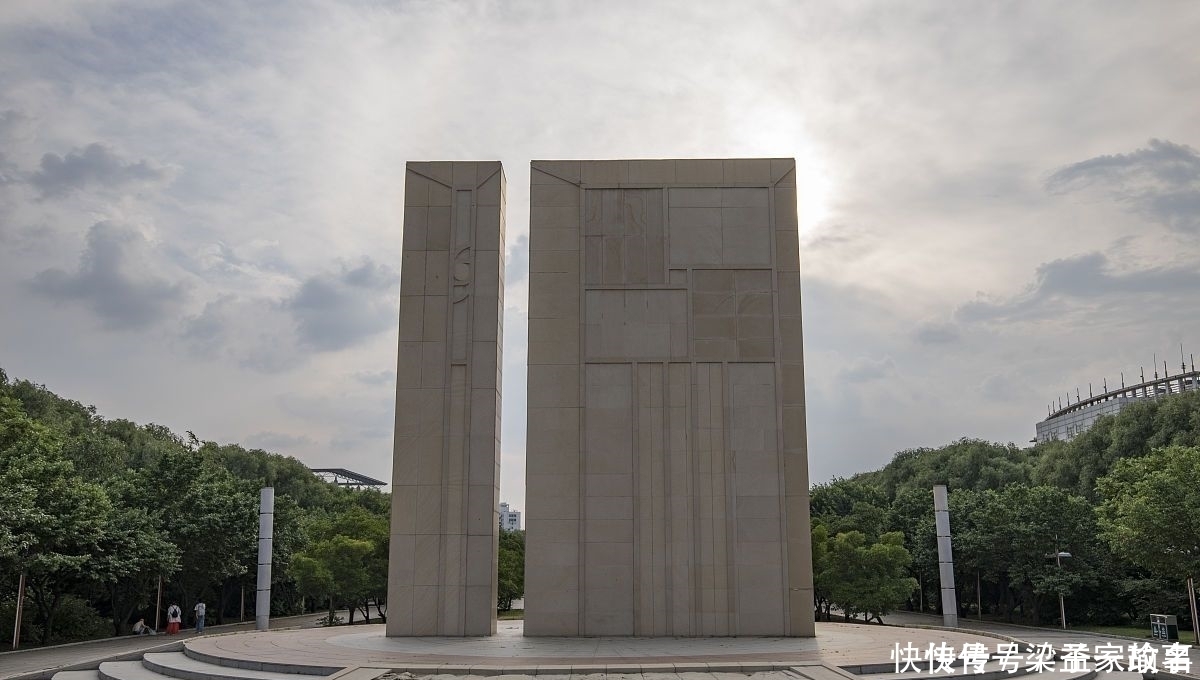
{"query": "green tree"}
[(886, 564), (965, 464), (59, 520), (1150, 508), (1148, 517), (1133, 433), (511, 572), (1023, 528), (361, 534), (911, 513), (823, 575), (340, 566), (132, 502), (133, 553), (360, 523), (867, 578), (211, 517), (313, 579)]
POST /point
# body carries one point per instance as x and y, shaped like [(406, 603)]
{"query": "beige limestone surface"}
[(666, 466), (445, 472), (843, 645)]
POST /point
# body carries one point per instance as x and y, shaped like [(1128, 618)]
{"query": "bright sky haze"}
[(201, 202)]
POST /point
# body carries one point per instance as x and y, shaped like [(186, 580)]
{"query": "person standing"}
[(174, 618), (199, 609)]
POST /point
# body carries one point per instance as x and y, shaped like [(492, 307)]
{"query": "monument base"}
[(836, 648)]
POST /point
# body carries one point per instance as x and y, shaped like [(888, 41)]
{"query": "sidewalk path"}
[(44, 661)]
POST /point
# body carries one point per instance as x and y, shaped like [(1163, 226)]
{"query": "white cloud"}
[(336, 312), (1161, 181), (113, 281), (94, 166), (866, 369)]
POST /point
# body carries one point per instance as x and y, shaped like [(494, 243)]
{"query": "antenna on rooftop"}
[(1182, 363), (1143, 370), (1122, 379), (1077, 399), (1155, 364), (1106, 385), (1165, 373), (1193, 358), (1089, 390)]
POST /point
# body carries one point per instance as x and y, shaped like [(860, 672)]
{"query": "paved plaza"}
[(836, 644), (838, 652)]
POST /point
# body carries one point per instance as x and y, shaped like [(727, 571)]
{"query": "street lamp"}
[(1058, 558)]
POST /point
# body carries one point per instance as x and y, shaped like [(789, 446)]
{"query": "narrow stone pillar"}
[(446, 465), (266, 537), (941, 517)]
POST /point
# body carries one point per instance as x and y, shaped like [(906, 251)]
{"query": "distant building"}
[(1074, 419), (510, 520), (347, 478)]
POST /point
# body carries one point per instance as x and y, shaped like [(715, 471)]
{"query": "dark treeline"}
[(1121, 498), (95, 511)]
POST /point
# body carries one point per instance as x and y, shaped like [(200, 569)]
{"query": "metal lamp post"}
[(1062, 609), (16, 641)]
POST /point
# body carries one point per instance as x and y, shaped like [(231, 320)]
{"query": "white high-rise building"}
[(510, 520)]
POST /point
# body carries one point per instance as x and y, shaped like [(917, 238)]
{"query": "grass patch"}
[(511, 615)]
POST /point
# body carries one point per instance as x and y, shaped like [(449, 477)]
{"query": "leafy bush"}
[(330, 619)]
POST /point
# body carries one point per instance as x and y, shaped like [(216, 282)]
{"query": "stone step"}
[(76, 675), (364, 673), (822, 671), (292, 668), (991, 671), (184, 667), (126, 670)]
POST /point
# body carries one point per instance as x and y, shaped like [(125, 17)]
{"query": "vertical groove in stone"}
[(581, 483), (635, 467)]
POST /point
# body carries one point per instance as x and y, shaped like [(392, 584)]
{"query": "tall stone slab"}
[(445, 472), (667, 471)]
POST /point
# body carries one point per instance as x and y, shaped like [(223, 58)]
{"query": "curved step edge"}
[(247, 664)]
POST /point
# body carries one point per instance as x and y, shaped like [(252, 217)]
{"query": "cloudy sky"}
[(200, 220)]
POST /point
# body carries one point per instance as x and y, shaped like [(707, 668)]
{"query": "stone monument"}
[(445, 471), (667, 472)]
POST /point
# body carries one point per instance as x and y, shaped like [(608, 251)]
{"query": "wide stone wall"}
[(445, 471), (667, 473)]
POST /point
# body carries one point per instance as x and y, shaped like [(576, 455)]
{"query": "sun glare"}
[(781, 131)]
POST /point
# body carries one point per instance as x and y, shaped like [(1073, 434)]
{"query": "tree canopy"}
[(512, 568), (1121, 498), (95, 511), (1150, 514)]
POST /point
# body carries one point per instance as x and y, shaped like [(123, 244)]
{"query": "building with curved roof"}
[(1076, 418)]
